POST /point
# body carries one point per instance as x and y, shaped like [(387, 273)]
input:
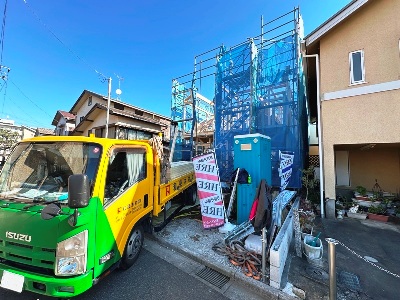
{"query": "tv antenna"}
[(118, 90)]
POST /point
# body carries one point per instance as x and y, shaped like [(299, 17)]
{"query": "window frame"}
[(351, 67), (126, 150)]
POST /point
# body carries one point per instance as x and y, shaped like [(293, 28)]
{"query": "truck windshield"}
[(40, 171)]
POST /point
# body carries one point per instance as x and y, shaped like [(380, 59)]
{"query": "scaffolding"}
[(193, 115), (258, 88)]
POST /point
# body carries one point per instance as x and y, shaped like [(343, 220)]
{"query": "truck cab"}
[(72, 209)]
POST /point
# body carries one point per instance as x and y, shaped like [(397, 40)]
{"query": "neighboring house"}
[(125, 121), (24, 132), (44, 131), (204, 136), (64, 122), (358, 50)]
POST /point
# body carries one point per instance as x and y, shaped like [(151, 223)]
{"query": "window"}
[(357, 69), (119, 106), (81, 119), (122, 133), (99, 132), (126, 167), (89, 101)]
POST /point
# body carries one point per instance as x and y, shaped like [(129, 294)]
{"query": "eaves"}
[(333, 21), (90, 116)]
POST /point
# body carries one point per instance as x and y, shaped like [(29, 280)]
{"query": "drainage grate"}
[(350, 280), (214, 277)]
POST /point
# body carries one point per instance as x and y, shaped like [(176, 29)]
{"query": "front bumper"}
[(52, 286)]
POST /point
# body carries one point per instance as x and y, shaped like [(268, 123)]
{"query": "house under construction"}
[(254, 87)]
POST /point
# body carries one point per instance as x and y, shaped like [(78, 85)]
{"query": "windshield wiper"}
[(37, 202), (15, 197)]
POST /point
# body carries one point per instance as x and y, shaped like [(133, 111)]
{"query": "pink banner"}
[(209, 190)]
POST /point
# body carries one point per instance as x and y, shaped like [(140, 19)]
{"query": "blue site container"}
[(245, 196), (253, 153)]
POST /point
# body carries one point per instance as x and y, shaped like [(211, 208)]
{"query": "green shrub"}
[(377, 209), (361, 190)]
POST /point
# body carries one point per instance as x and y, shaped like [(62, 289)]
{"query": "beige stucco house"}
[(125, 121), (359, 92)]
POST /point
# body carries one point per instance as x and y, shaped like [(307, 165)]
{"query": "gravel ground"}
[(189, 234)]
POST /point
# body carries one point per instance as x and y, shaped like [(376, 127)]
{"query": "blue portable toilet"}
[(253, 153)]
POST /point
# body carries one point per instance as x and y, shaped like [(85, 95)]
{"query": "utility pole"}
[(108, 106)]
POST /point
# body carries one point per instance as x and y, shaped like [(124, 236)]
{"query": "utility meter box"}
[(253, 153)]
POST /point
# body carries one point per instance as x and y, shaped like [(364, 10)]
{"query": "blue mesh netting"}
[(261, 91), (233, 100), (181, 111), (259, 88)]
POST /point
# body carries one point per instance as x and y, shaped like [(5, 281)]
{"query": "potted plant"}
[(377, 213), (397, 211), (361, 193), (311, 187)]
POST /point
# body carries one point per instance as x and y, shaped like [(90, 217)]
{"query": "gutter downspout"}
[(320, 152)]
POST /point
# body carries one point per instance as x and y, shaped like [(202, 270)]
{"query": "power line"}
[(20, 109), (103, 78), (4, 75), (52, 119), (28, 98), (3, 32), (5, 91)]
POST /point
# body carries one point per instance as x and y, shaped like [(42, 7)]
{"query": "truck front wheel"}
[(133, 247)]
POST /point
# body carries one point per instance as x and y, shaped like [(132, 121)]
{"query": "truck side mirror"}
[(78, 191)]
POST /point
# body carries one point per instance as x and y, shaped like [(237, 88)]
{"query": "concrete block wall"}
[(280, 249)]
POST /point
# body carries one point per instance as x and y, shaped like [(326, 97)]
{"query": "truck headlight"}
[(71, 255)]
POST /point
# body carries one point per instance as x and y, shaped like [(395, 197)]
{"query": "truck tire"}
[(132, 248), (190, 195)]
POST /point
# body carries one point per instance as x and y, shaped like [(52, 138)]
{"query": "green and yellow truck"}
[(72, 209)]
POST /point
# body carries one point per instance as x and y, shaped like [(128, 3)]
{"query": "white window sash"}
[(352, 81)]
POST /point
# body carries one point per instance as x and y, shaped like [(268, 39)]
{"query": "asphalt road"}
[(158, 273)]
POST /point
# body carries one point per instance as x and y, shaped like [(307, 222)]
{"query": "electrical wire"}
[(3, 27), (11, 112), (1, 53), (103, 78), (4, 98), (29, 98)]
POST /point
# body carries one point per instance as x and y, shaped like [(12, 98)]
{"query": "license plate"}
[(12, 281)]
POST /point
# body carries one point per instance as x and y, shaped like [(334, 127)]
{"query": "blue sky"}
[(55, 49)]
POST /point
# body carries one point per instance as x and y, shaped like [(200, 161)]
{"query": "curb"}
[(258, 287)]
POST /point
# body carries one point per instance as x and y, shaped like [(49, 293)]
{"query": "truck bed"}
[(181, 177)]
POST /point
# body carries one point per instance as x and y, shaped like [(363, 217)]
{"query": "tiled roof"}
[(45, 131), (67, 115), (74, 109)]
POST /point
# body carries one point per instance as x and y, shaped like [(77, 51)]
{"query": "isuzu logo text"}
[(18, 236)]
